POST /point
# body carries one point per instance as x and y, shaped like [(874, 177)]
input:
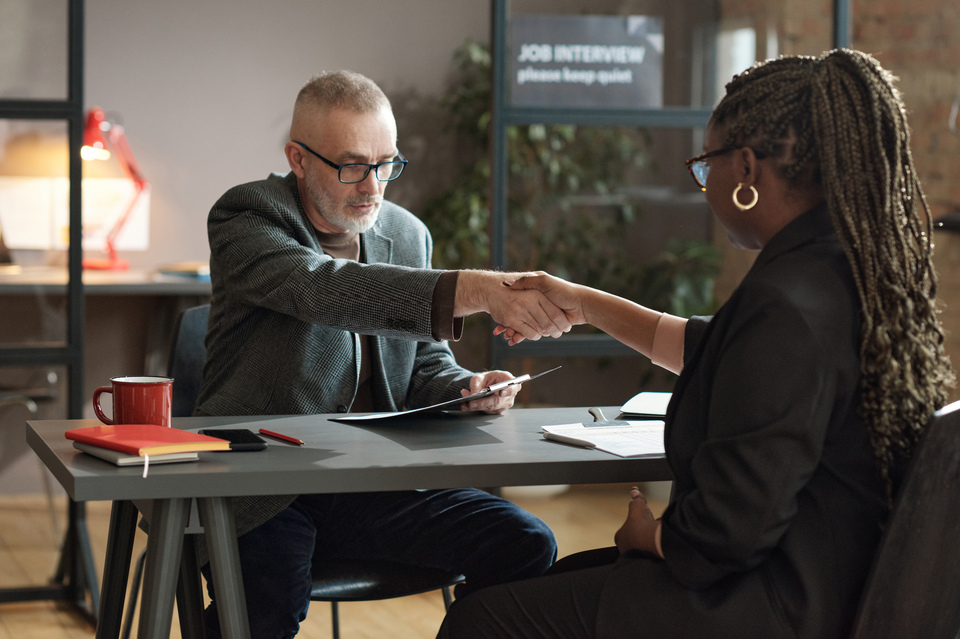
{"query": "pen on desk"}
[(283, 438)]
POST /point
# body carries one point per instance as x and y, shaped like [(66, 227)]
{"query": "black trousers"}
[(562, 603)]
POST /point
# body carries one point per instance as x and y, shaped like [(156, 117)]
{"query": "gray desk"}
[(444, 451), (30, 280)]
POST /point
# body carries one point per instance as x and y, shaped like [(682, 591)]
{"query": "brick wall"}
[(919, 42)]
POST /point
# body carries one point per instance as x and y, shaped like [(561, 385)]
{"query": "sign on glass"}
[(587, 61)]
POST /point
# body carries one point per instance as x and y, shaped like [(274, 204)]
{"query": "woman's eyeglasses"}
[(699, 168)]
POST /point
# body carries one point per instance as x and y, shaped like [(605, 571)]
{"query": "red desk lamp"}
[(103, 139)]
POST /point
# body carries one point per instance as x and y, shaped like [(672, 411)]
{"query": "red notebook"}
[(146, 439)]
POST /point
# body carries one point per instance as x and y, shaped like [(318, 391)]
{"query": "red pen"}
[(283, 438)]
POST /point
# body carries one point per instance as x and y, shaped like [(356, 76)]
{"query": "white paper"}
[(637, 439), (647, 403)]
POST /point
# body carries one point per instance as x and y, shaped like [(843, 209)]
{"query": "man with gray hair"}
[(324, 301)]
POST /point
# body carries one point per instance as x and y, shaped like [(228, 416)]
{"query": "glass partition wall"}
[(589, 180), (41, 291)]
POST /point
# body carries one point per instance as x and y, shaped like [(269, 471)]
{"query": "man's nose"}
[(369, 184)]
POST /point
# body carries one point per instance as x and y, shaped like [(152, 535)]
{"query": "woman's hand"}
[(641, 531), (564, 295)]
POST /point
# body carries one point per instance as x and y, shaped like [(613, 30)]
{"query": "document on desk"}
[(484, 392), (636, 439)]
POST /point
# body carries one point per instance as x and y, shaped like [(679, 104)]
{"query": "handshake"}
[(524, 305), (531, 305)]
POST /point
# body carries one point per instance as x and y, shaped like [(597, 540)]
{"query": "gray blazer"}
[(285, 317)]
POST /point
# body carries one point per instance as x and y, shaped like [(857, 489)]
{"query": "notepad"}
[(636, 439), (647, 404), (146, 439), (123, 459)]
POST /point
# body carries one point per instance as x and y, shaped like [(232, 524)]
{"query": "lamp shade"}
[(104, 139), (94, 140)]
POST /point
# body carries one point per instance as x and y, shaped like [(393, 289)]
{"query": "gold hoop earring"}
[(745, 207)]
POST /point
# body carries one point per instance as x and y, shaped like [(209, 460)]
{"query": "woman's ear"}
[(746, 166)]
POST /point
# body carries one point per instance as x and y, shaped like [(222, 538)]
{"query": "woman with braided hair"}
[(798, 404)]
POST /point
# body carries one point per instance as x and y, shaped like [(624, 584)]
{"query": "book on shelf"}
[(634, 439), (124, 459), (146, 439), (199, 271)]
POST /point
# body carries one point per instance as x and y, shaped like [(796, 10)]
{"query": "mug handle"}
[(96, 404)]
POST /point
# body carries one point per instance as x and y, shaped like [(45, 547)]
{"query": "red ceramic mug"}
[(137, 400)]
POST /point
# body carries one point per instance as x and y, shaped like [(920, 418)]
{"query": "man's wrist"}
[(470, 297)]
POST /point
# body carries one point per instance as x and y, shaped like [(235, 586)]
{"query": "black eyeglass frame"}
[(402, 161), (701, 159)]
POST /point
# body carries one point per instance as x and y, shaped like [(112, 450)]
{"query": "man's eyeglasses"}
[(699, 168), (354, 173)]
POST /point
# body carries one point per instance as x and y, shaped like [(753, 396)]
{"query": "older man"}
[(323, 301)]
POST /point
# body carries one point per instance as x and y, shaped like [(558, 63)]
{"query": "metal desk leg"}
[(190, 593), (216, 515), (167, 521), (116, 567)]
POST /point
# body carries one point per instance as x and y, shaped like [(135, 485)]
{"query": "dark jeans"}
[(487, 539)]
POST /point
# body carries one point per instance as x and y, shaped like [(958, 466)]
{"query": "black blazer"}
[(777, 503)]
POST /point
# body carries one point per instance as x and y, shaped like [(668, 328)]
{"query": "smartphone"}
[(239, 438)]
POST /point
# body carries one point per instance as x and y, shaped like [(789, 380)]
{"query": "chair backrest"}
[(188, 354), (914, 586)]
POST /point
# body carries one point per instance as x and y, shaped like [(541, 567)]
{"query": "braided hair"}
[(838, 122)]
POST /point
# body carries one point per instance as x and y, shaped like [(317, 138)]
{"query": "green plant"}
[(565, 213)]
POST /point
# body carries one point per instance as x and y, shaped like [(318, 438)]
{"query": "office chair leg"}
[(335, 610), (335, 616)]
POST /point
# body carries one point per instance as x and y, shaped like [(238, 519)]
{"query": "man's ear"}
[(746, 167), (295, 156)]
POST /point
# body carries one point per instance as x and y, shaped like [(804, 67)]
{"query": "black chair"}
[(188, 354), (333, 581), (914, 587), (356, 580)]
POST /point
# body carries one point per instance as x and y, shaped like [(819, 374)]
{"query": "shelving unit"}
[(75, 579), (505, 115)]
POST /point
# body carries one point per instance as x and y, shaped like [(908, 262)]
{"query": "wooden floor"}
[(581, 517)]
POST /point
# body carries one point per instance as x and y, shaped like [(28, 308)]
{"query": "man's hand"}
[(496, 403), (564, 295), (527, 312), (641, 531)]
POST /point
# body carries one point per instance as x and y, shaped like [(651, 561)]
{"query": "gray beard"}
[(336, 215), (336, 212)]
